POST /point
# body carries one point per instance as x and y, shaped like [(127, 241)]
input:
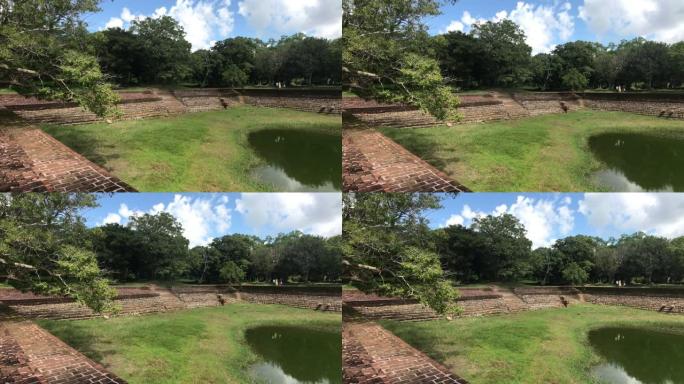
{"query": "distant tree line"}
[(152, 247), (155, 51), (388, 248), (494, 54), (495, 248)]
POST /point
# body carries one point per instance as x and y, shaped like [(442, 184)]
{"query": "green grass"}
[(536, 347), (544, 153), (205, 151), (194, 346)]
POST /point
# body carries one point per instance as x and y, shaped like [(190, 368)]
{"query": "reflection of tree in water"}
[(311, 158), (652, 357), (307, 355), (654, 163)]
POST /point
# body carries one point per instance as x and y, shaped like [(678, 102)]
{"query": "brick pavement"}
[(373, 355), (29, 354), (372, 162), (33, 161)]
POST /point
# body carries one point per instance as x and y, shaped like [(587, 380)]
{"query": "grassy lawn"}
[(193, 346), (205, 151), (545, 346), (544, 153)]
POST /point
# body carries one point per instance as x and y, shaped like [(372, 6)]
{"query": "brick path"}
[(29, 354), (33, 161), (371, 354), (372, 162)]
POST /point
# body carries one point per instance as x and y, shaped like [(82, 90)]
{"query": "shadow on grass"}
[(423, 341), (80, 338), (423, 146), (83, 143)]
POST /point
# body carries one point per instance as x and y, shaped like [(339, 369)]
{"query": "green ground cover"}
[(544, 153), (534, 347), (205, 151), (194, 346)]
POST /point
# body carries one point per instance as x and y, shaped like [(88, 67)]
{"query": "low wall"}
[(653, 299), (160, 103), (652, 104), (153, 299), (318, 298)]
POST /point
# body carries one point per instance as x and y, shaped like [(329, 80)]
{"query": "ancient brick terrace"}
[(33, 161)]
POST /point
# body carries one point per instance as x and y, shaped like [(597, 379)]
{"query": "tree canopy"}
[(45, 248), (45, 51), (385, 56)]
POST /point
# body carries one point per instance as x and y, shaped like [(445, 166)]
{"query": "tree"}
[(44, 53), (231, 273), (166, 52), (121, 55), (117, 248), (384, 54), (507, 249), (44, 248), (545, 262), (234, 248), (163, 252), (233, 76), (574, 274), (507, 55), (460, 56), (387, 248), (461, 250)]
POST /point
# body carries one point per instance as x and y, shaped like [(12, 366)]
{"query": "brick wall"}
[(153, 299), (652, 104), (319, 298), (653, 299), (160, 103)]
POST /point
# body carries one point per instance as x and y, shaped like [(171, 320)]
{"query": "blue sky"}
[(205, 216), (206, 21), (550, 216), (551, 22)]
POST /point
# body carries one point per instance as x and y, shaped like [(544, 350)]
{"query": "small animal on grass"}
[(221, 300), (564, 107), (564, 302)]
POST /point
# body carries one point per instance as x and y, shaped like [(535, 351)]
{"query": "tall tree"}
[(167, 53), (384, 54), (44, 248), (387, 248), (44, 52), (507, 55), (163, 252), (507, 249)]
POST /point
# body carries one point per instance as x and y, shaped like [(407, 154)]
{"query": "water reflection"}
[(638, 356), (296, 355), (298, 160)]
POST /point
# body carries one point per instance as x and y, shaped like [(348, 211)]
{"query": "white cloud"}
[(313, 213), (199, 217), (454, 220), (202, 20), (112, 218), (661, 214), (544, 25), (322, 18), (455, 25), (655, 19), (114, 22), (544, 220)]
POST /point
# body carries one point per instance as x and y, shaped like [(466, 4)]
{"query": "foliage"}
[(384, 54), (166, 52), (44, 248), (574, 80), (507, 54), (44, 52), (387, 248)]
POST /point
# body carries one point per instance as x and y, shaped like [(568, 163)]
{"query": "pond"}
[(297, 160), (296, 355), (639, 162), (638, 356)]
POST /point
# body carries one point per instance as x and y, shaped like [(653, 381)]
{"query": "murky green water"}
[(296, 355), (638, 356), (299, 160), (639, 162)]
